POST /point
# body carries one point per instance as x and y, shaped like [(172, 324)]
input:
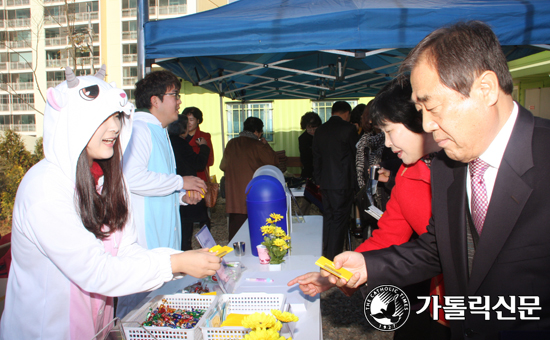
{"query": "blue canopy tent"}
[(323, 49)]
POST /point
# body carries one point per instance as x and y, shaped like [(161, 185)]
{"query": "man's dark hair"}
[(155, 84), (310, 119), (341, 107), (393, 104), (356, 114), (253, 124), (460, 53), (195, 111), (178, 127)]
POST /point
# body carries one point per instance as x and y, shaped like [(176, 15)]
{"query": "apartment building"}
[(39, 38)]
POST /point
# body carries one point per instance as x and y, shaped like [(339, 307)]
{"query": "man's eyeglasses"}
[(176, 95)]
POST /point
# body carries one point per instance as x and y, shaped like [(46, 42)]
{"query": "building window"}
[(131, 95), (129, 76), (129, 30), (83, 72), (172, 2), (54, 78), (324, 108), (5, 120), (5, 102), (129, 53), (238, 112), (172, 7), (22, 102)]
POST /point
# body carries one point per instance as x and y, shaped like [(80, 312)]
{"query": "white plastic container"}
[(244, 303), (131, 324)]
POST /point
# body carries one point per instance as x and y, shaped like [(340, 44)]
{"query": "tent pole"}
[(142, 18), (221, 121)]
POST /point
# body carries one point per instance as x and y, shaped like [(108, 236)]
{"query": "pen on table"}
[(259, 279)]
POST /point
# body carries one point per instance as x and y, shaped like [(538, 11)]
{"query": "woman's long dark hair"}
[(110, 208)]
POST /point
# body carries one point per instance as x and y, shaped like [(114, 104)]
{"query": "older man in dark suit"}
[(333, 169), (490, 227)]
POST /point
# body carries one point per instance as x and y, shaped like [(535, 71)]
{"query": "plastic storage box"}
[(131, 324), (244, 303)]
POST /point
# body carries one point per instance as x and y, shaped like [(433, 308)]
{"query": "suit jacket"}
[(305, 143), (242, 157), (334, 154), (512, 257)]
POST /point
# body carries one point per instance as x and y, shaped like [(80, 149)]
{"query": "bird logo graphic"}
[(388, 313), (387, 308)]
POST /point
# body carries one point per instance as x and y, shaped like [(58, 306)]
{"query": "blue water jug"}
[(265, 195)]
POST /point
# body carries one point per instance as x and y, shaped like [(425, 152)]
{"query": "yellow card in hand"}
[(221, 251), (328, 265)]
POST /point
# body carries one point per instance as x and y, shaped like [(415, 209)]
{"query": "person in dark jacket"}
[(334, 171), (188, 163), (310, 122)]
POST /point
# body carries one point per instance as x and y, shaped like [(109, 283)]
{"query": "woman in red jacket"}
[(409, 209), (194, 119)]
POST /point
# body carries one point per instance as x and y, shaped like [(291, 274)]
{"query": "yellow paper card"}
[(234, 319), (328, 265), (221, 251)]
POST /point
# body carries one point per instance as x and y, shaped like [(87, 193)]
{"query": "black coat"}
[(512, 257), (305, 142), (334, 154), (188, 163)]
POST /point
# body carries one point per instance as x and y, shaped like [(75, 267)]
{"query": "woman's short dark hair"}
[(108, 208), (178, 127), (310, 119), (366, 124), (155, 84), (460, 53), (253, 124), (393, 104), (195, 111), (356, 114)]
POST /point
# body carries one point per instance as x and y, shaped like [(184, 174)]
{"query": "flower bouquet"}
[(265, 326), (276, 240)]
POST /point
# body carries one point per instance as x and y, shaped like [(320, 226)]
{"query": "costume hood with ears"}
[(74, 110)]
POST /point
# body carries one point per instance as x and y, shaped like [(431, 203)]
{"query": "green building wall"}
[(527, 73)]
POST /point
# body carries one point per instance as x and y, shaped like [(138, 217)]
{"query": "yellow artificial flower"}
[(284, 316), (278, 326), (279, 232), (286, 237), (259, 320), (279, 243), (276, 217), (264, 334), (270, 221), (267, 229)]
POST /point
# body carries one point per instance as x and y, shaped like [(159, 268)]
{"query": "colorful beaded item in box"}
[(164, 316)]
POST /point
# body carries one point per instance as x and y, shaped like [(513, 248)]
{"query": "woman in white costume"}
[(73, 240)]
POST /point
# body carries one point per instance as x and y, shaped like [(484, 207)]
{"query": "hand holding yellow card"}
[(221, 251), (328, 265)]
